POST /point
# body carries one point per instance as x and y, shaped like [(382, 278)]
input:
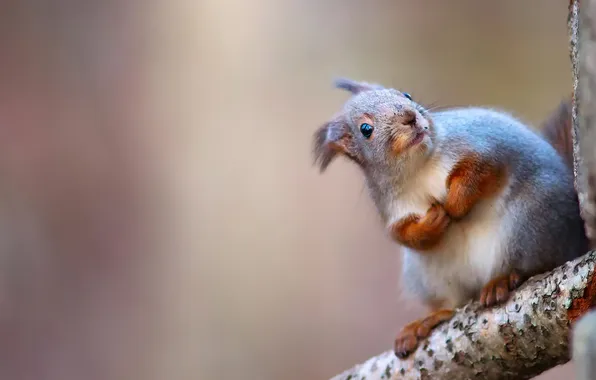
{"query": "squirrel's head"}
[(380, 129)]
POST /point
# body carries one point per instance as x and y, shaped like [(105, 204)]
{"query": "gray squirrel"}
[(477, 200)]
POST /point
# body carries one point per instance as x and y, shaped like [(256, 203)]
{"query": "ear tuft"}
[(331, 139), (323, 154), (355, 87)]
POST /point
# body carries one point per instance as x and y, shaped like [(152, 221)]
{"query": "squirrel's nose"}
[(409, 117)]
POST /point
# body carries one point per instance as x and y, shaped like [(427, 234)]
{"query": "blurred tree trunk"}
[(584, 346), (73, 197)]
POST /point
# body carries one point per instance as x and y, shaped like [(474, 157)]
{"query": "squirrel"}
[(478, 201)]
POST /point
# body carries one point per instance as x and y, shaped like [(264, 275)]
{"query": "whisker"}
[(436, 105), (360, 196)]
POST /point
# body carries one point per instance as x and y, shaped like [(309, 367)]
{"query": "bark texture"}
[(582, 29), (512, 341), (573, 30), (515, 340)]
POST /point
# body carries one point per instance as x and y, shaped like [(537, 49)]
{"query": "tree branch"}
[(518, 340), (530, 333)]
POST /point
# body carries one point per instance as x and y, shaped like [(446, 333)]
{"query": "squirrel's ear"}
[(333, 138), (355, 87)]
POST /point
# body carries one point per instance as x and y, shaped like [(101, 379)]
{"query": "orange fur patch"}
[(421, 233), (408, 339), (581, 305), (473, 178), (400, 143)]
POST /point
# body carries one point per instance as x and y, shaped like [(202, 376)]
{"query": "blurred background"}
[(159, 214)]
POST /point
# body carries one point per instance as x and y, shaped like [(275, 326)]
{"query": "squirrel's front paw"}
[(436, 218), (498, 289), (421, 233), (410, 336), (405, 343)]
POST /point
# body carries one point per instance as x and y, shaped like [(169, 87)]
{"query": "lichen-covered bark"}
[(518, 340)]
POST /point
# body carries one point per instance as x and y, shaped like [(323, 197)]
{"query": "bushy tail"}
[(557, 130)]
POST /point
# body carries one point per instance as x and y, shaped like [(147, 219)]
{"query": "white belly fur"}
[(469, 255)]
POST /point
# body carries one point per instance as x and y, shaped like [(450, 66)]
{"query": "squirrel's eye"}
[(407, 95), (366, 129)]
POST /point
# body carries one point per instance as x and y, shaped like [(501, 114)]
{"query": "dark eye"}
[(407, 95), (366, 129)]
